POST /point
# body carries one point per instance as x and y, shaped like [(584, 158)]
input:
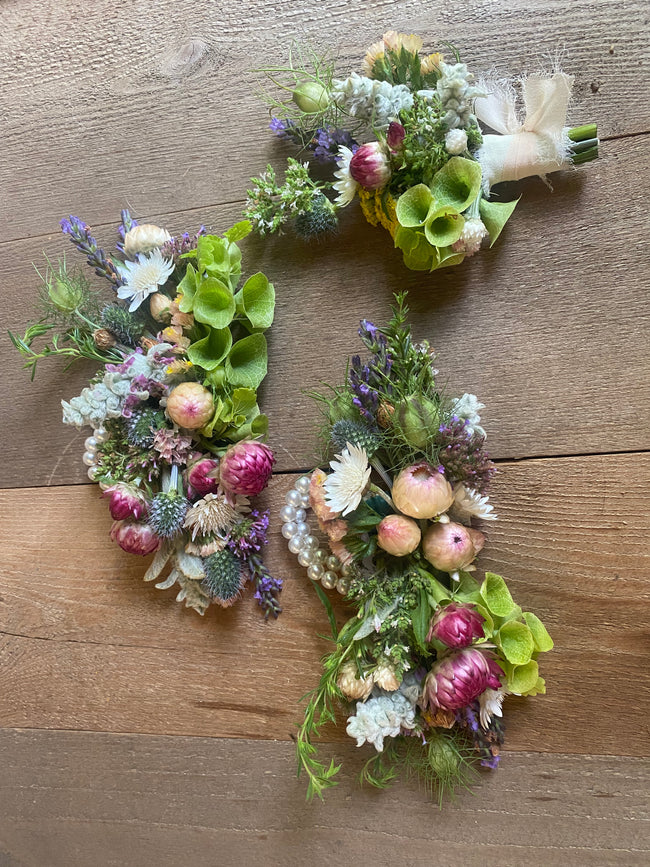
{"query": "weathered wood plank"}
[(550, 328), (138, 104), (123, 800), (84, 644)]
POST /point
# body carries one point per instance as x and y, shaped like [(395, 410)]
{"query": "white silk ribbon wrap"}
[(534, 145)]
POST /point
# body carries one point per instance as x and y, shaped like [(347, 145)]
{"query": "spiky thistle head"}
[(142, 426), (127, 327), (344, 432), (318, 220), (224, 577), (167, 513)]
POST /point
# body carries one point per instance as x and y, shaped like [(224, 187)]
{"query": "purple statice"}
[(462, 455), (181, 244), (487, 742), (80, 236), (127, 222), (327, 141)]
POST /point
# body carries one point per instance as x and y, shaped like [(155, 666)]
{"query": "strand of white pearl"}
[(320, 565), (90, 455)]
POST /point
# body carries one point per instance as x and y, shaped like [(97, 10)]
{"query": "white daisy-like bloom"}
[(468, 407), (213, 515), (346, 186), (490, 703), (344, 487), (468, 503), (143, 277)]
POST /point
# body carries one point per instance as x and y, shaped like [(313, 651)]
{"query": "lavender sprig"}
[(80, 236), (267, 587), (127, 222)]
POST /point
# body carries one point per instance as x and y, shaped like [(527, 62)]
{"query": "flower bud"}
[(450, 547), (160, 307), (395, 135), (311, 97), (384, 676), (398, 535), (456, 680), (190, 405), (144, 239), (103, 338), (126, 501), (134, 537), (417, 417), (385, 414), (203, 476), (246, 468), (420, 491), (353, 687), (369, 166), (456, 625)]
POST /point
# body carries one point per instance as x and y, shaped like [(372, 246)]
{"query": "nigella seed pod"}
[(311, 97), (421, 491), (135, 537), (126, 501), (398, 535), (246, 468), (369, 166), (190, 405), (450, 546), (456, 625)]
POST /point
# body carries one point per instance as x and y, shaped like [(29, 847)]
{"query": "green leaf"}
[(447, 256), (246, 363), (444, 226), (516, 642), (496, 595), (419, 255), (543, 641), (413, 206), (524, 678), (420, 619), (457, 183), (187, 287), (214, 303), (219, 258), (488, 625), (209, 352), (256, 301), (260, 426), (239, 231), (495, 215)]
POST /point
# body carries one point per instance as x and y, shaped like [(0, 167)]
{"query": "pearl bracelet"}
[(320, 565), (90, 455)]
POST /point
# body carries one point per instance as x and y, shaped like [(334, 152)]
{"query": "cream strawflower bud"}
[(421, 491), (398, 535), (353, 687), (160, 307), (144, 239), (456, 141), (384, 676)]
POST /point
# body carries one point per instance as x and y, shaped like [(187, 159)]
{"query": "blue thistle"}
[(167, 513), (344, 432), (320, 219), (223, 577)]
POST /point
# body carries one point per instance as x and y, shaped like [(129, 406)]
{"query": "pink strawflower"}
[(203, 476), (398, 535), (135, 537), (125, 501), (369, 166), (450, 547), (246, 468), (422, 491), (395, 135), (456, 680), (456, 625)]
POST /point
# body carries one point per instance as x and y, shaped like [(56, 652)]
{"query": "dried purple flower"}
[(80, 236)]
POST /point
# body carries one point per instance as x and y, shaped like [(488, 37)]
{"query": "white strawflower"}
[(490, 703), (381, 717), (143, 277), (144, 239), (468, 407), (468, 503), (456, 141), (346, 186), (344, 487)]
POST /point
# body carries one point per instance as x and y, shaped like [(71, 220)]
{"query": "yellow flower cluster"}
[(379, 209)]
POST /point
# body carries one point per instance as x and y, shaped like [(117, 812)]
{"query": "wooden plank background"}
[(133, 732)]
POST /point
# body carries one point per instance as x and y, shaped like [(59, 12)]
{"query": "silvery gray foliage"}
[(384, 714), (105, 399), (457, 93), (377, 102)]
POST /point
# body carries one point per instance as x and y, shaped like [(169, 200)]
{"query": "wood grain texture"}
[(125, 801), (84, 644), (550, 328), (106, 109)]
